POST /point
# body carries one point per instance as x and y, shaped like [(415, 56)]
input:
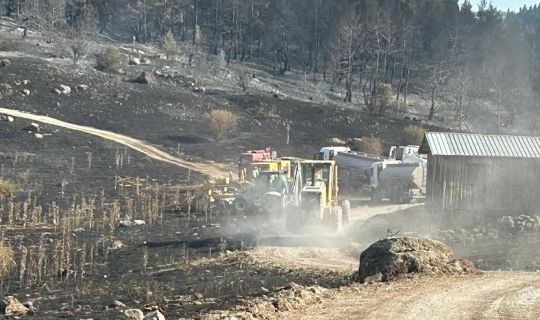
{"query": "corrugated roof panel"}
[(522, 146), (478, 145)]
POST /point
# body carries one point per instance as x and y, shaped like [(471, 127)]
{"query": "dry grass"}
[(221, 123), (371, 145), (413, 134), (6, 258), (7, 187)]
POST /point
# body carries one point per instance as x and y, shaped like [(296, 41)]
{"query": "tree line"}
[(377, 51)]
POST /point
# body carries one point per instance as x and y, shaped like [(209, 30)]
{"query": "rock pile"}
[(505, 228), (393, 258), (269, 306)]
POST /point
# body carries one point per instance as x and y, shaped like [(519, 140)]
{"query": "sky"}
[(507, 4)]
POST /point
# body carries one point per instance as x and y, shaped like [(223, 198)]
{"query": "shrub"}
[(6, 258), (108, 59), (7, 187), (222, 58), (168, 43), (371, 145), (384, 97), (243, 78), (76, 44), (220, 123), (413, 134)]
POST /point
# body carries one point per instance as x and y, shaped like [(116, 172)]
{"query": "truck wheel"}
[(240, 205), (337, 219), (346, 208)]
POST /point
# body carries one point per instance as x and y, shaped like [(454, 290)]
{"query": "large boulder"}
[(146, 78), (134, 314), (62, 89), (5, 62), (82, 87), (154, 315), (134, 61), (393, 258), (13, 307)]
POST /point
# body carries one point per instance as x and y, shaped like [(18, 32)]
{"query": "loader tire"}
[(337, 219), (346, 208)]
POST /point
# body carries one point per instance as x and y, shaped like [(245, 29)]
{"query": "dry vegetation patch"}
[(371, 145), (7, 187), (6, 258), (108, 59), (413, 134), (221, 123)]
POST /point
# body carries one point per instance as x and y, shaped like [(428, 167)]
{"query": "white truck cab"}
[(407, 154), (328, 153)]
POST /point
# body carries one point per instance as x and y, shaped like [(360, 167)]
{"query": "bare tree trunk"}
[(195, 21), (499, 109), (399, 88), (235, 32), (348, 81), (216, 28), (145, 22), (393, 70), (432, 107), (375, 78), (251, 31), (317, 43), (406, 90)]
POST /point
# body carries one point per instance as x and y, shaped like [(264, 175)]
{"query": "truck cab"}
[(328, 153), (407, 154)]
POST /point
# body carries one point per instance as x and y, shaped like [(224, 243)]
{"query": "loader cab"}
[(272, 181), (314, 193), (319, 177)]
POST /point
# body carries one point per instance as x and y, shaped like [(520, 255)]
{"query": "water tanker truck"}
[(399, 178)]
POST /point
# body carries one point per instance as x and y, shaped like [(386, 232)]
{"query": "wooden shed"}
[(497, 174)]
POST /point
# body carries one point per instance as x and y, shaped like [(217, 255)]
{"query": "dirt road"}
[(493, 295), (208, 168)]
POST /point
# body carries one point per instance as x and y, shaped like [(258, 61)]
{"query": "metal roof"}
[(480, 145)]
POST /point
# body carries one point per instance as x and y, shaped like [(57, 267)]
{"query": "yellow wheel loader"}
[(314, 197)]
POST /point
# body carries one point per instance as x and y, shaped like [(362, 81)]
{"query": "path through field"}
[(208, 168)]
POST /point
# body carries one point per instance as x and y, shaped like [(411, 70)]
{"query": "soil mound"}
[(393, 258)]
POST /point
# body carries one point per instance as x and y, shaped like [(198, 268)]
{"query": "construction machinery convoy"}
[(299, 193)]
